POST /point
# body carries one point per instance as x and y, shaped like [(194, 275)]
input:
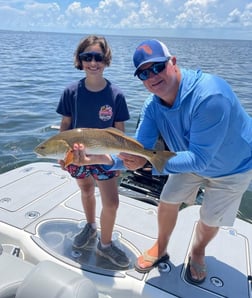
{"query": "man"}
[(200, 118)]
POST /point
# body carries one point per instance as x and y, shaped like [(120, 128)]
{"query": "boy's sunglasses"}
[(155, 68), (89, 56)]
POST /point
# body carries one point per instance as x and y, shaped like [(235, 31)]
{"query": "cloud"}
[(126, 16), (42, 14), (246, 17), (31, 15)]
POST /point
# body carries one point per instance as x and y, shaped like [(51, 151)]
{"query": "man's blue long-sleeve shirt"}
[(207, 127)]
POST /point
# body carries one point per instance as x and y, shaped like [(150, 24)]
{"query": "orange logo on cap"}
[(146, 48)]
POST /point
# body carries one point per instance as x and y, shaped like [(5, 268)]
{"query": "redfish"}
[(99, 141)]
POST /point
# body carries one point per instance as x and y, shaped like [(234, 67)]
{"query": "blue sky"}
[(172, 18)]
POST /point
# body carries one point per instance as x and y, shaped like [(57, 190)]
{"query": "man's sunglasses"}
[(155, 68), (89, 56)]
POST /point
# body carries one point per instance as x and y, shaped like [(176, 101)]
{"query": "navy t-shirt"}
[(93, 109)]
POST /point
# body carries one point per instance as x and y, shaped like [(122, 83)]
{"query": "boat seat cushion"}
[(13, 271), (48, 279)]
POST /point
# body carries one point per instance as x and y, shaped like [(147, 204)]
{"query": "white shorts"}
[(221, 200)]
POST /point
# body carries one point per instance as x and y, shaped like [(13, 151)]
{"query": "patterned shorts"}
[(85, 171)]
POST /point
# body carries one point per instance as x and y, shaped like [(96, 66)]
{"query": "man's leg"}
[(179, 188), (221, 201), (167, 217), (204, 234)]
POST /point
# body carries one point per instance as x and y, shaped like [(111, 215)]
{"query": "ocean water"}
[(35, 67)]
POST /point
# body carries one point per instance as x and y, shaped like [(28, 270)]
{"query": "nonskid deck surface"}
[(42, 203), (56, 237)]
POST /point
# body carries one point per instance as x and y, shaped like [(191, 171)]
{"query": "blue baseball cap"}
[(151, 50)]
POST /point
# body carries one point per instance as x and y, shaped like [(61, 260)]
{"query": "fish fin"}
[(118, 132), (114, 130), (68, 158), (159, 159)]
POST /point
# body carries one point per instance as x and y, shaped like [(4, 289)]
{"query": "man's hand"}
[(132, 162)]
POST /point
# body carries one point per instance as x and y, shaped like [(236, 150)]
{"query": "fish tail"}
[(68, 158), (159, 159)]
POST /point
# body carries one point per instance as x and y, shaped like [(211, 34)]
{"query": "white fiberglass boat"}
[(41, 211)]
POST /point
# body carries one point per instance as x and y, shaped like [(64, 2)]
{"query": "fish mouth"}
[(38, 154)]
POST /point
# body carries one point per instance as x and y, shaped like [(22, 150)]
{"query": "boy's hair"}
[(90, 41)]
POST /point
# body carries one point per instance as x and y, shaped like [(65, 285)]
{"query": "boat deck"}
[(41, 211)]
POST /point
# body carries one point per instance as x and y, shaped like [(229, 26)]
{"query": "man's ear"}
[(173, 60)]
